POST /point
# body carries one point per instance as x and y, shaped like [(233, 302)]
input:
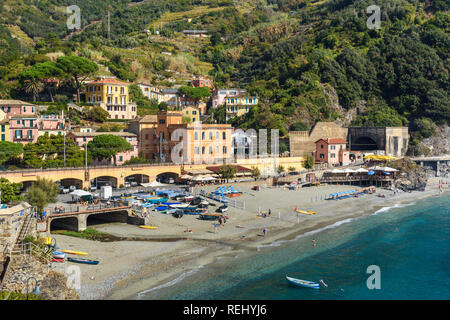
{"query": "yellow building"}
[(113, 96), (145, 128), (4, 127), (237, 106), (192, 113)]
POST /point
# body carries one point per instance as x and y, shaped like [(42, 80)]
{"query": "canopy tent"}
[(153, 184), (387, 169), (362, 170), (80, 193), (186, 177), (347, 170), (336, 171)]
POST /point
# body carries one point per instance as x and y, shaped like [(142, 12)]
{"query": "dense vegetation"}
[(306, 60)]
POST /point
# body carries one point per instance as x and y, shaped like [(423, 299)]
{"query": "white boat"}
[(303, 283)]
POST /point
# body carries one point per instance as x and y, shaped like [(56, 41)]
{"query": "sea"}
[(395, 253)]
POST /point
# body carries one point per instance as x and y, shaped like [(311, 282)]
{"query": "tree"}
[(96, 114), (41, 193), (291, 169), (9, 150), (299, 126), (107, 146), (227, 172), (256, 173), (77, 69), (280, 169), (10, 191), (195, 93), (309, 162), (33, 86)]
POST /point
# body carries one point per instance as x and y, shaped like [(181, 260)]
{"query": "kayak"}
[(148, 227), (81, 253), (57, 260), (85, 261), (303, 283), (58, 255), (305, 211)]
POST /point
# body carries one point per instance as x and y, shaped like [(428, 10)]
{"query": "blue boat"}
[(161, 208), (85, 261), (303, 283)]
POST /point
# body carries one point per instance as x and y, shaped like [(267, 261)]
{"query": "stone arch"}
[(138, 178), (67, 182), (105, 217), (104, 180), (165, 177), (65, 223)]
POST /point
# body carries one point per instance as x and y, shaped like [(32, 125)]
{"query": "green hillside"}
[(307, 60)]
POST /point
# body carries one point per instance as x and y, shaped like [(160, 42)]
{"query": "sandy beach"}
[(156, 257)]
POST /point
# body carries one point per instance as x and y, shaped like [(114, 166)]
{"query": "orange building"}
[(194, 142)]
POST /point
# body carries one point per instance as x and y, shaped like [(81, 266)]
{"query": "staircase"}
[(23, 231)]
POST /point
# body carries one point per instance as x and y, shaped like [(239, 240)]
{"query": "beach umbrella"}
[(371, 173), (337, 171), (389, 169), (362, 170)]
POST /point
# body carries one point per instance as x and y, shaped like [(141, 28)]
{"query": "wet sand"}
[(161, 255)]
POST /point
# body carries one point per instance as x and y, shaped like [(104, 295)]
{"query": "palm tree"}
[(33, 86)]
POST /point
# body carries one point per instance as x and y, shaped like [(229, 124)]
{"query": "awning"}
[(80, 193), (153, 184), (195, 172), (362, 170)]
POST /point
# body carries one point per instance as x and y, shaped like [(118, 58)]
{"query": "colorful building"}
[(23, 129), (332, 151), (151, 91), (219, 96), (191, 112), (237, 106), (51, 125), (4, 127), (16, 108), (201, 81), (196, 142), (113, 96), (145, 129), (82, 138)]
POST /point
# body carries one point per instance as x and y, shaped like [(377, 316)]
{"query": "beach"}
[(153, 259)]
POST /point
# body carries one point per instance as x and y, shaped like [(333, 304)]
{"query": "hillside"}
[(307, 60)]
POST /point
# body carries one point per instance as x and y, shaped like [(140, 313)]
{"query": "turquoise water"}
[(410, 244)]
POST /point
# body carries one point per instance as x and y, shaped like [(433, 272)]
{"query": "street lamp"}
[(36, 287)]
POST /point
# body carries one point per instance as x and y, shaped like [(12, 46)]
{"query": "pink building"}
[(16, 108), (332, 151), (51, 125), (23, 129), (82, 138)]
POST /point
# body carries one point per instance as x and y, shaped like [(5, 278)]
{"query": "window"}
[(322, 156), (120, 158), (321, 146), (210, 150), (3, 128), (196, 150), (30, 134), (224, 149), (332, 147), (217, 135), (18, 134), (203, 135), (224, 135), (3, 137), (332, 155), (203, 150), (210, 135)]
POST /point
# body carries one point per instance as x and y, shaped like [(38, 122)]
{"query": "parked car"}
[(93, 188), (72, 188), (127, 185)]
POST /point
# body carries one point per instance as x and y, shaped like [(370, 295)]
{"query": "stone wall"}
[(11, 220), (304, 142)]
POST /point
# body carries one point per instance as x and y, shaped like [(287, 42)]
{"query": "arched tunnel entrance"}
[(68, 223), (102, 218), (167, 177), (136, 179), (104, 181), (68, 182), (364, 144)]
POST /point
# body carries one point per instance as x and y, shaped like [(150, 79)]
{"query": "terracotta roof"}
[(108, 81), (333, 140), (14, 103)]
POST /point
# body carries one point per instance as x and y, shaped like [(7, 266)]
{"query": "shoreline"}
[(144, 270)]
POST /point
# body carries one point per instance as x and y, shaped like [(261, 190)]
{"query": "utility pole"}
[(64, 134)]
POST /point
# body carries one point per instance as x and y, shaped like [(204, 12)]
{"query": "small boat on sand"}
[(79, 260), (58, 255), (210, 216), (303, 283), (81, 253), (148, 227), (304, 211)]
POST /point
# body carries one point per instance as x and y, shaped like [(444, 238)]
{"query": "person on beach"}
[(265, 231), (270, 212), (215, 227)]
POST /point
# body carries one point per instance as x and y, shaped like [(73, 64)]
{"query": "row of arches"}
[(135, 179), (72, 223)]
